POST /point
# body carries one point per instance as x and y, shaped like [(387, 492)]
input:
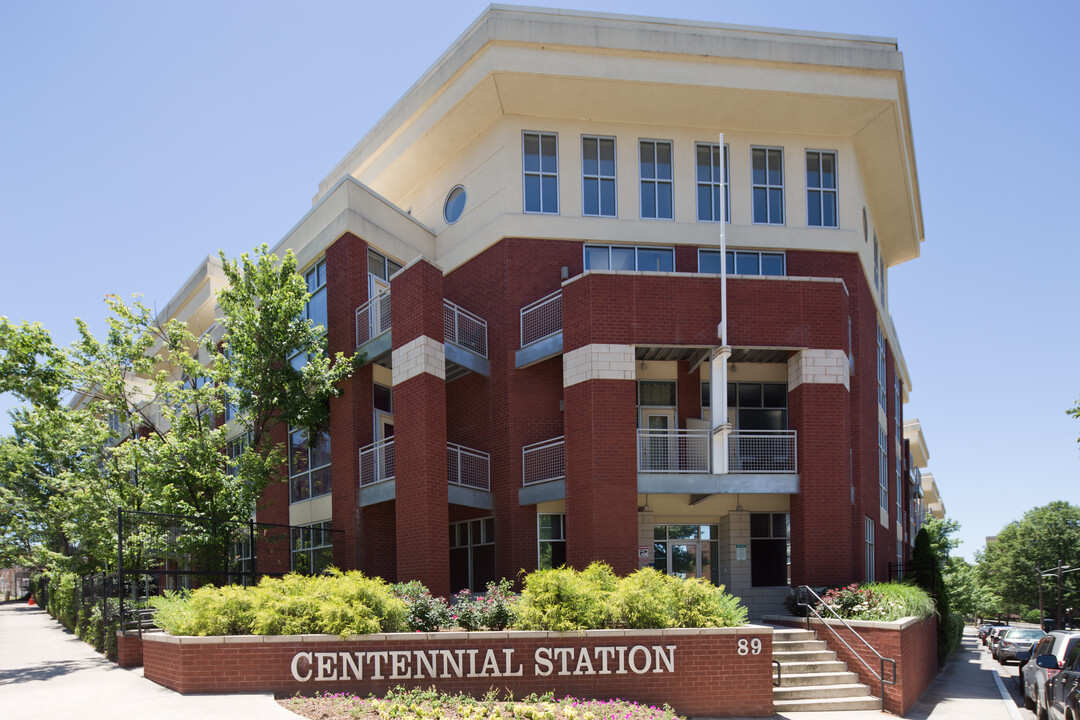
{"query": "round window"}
[(455, 204)]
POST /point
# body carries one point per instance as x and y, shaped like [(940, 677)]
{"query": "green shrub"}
[(702, 604), (337, 604), (878, 601), (646, 599), (492, 611), (563, 599), (423, 611)]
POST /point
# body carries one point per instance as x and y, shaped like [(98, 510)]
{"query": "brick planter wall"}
[(721, 672), (909, 641), (128, 650)]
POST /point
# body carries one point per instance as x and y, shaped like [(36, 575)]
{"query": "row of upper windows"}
[(540, 183), (662, 259)]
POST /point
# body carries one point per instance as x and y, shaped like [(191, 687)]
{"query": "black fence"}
[(913, 570)]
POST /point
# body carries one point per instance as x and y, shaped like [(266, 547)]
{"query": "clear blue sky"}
[(138, 137)]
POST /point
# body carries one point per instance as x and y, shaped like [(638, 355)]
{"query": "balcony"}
[(468, 475), (543, 471), (541, 330), (464, 342)]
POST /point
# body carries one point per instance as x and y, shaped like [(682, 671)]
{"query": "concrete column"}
[(419, 372), (721, 428)]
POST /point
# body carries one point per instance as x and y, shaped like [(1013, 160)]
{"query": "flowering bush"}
[(492, 611), (877, 601), (424, 611)]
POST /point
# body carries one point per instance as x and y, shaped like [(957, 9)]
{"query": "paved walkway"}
[(46, 672)]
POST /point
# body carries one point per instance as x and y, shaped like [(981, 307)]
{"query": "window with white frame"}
[(315, 308), (687, 551), (743, 262), (309, 465), (629, 257), (472, 554), (712, 180), (767, 182), (550, 540), (381, 266), (821, 188), (881, 369), (540, 162), (655, 172), (233, 450), (312, 548), (877, 273), (868, 525), (898, 446), (883, 467), (598, 196)]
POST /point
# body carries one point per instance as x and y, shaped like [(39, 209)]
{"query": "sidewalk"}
[(46, 672)]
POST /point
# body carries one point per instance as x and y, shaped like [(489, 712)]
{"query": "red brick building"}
[(570, 357)]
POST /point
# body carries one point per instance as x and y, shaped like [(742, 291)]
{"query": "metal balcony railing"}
[(463, 328), (541, 319), (467, 467), (543, 461), (377, 462), (673, 451), (373, 317), (762, 451)]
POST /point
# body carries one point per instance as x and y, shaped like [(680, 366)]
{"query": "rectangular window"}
[(629, 258), (687, 551), (541, 172), (881, 369), (655, 170), (381, 266), (758, 406), (655, 393), (883, 467), (767, 180), (770, 549), (551, 540), (234, 449), (711, 182), (309, 465), (312, 548), (743, 262), (898, 446), (472, 554), (315, 308), (598, 176), (820, 188), (868, 525)]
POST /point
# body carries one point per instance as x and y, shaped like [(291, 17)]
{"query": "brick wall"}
[(128, 650), (911, 643), (707, 675)]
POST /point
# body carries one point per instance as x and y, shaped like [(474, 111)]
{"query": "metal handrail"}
[(779, 673), (555, 321), (557, 459), (455, 475), (881, 658), (463, 328)]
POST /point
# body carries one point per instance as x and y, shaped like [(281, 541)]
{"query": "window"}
[(315, 308), (883, 467), (653, 393), (655, 170), (868, 525), (541, 169), (381, 266), (598, 176), (233, 450), (312, 549), (551, 540), (758, 406), (472, 554), (767, 179), (881, 368), (877, 275), (687, 551), (241, 562), (629, 257), (309, 465), (770, 549), (820, 188), (897, 435), (454, 205), (742, 262), (711, 182)]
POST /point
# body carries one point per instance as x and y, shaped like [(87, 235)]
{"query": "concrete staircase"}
[(811, 677)]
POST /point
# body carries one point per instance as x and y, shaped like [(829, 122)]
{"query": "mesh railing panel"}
[(463, 328), (373, 317), (467, 467), (377, 462), (541, 318), (762, 451), (673, 451), (543, 461)]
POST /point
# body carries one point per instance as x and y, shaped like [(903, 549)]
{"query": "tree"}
[(1012, 567), (940, 532)]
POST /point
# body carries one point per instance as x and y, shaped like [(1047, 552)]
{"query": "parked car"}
[(985, 629), (994, 636), (1015, 641), (1063, 690), (1033, 677)]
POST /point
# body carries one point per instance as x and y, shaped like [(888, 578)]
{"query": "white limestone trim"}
[(598, 362), (422, 355), (819, 367)]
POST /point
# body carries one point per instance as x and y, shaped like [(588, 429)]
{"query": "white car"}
[(1033, 679)]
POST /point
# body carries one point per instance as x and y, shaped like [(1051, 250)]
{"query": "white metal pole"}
[(721, 428)]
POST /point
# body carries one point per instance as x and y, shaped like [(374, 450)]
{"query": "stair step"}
[(829, 678), (811, 692), (796, 645), (802, 656), (814, 666), (792, 635), (828, 704)]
